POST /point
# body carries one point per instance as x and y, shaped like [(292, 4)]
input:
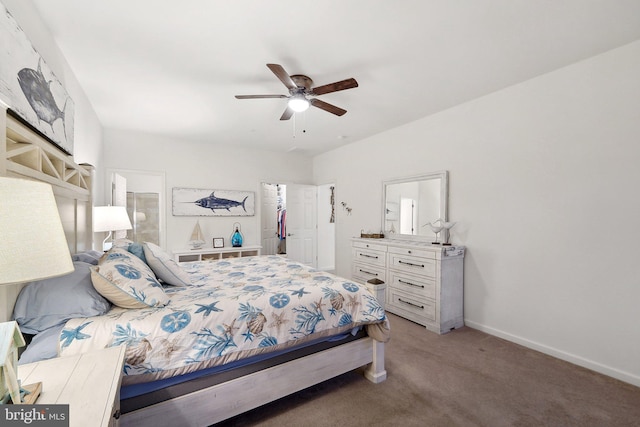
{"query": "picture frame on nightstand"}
[(218, 242)]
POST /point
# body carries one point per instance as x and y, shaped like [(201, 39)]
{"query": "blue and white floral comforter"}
[(235, 308)]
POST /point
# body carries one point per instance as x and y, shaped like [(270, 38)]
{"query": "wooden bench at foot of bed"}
[(226, 400)]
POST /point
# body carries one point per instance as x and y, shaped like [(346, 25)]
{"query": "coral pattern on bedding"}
[(235, 308)]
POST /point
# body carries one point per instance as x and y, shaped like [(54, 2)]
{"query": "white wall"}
[(544, 184), (88, 145), (204, 165)]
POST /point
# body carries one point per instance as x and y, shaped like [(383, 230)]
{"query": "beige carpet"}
[(464, 378)]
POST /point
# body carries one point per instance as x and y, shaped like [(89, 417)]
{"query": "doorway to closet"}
[(297, 222)]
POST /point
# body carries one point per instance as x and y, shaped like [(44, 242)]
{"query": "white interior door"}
[(269, 213), (302, 201)]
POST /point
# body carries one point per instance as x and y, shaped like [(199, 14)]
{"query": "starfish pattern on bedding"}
[(68, 335), (300, 292), (208, 309), (278, 321)]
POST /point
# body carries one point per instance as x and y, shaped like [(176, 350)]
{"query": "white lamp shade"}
[(110, 218), (33, 245)]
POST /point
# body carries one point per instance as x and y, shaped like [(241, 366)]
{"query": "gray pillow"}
[(165, 267), (43, 346), (50, 302), (90, 257)]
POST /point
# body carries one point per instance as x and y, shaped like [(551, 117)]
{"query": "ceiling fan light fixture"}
[(298, 103)]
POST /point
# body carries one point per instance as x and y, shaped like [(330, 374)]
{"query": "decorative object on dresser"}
[(33, 247), (202, 202), (110, 218), (370, 235), (33, 92), (436, 228), (424, 282), (218, 242), (447, 226)]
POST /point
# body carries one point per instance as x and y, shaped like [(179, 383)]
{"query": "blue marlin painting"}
[(37, 90), (212, 202)]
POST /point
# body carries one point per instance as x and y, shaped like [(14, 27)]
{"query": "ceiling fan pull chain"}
[(294, 126)]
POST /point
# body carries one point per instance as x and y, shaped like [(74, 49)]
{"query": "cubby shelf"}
[(204, 254)]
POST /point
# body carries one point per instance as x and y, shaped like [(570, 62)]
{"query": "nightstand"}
[(89, 383)]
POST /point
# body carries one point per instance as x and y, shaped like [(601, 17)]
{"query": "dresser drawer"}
[(369, 256), (417, 286), (410, 307), (370, 246), (362, 272), (413, 265), (420, 253)]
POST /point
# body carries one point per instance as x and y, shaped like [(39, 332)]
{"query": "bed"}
[(258, 290)]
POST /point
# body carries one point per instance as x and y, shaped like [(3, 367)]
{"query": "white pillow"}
[(165, 267), (125, 280)]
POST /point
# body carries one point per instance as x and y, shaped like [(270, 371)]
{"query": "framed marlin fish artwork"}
[(201, 202), (30, 89)]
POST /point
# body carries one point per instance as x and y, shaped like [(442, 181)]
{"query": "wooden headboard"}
[(26, 154)]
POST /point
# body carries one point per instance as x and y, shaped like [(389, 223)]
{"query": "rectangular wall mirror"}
[(410, 204)]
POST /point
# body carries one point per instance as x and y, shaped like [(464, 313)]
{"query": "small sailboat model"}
[(197, 239)]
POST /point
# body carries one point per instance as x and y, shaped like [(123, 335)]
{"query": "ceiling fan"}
[(302, 95)]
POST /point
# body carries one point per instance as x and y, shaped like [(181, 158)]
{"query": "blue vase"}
[(236, 239)]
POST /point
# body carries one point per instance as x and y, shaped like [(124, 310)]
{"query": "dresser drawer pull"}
[(368, 256), (368, 272), (410, 284), (411, 264), (421, 307)]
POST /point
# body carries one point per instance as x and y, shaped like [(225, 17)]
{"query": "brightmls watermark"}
[(34, 415)]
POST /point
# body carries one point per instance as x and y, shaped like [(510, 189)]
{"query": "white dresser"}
[(424, 281)]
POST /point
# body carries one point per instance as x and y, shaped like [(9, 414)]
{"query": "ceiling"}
[(173, 68)]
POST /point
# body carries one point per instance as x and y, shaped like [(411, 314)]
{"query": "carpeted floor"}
[(464, 378)]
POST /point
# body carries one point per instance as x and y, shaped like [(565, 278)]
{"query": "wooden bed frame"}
[(25, 154)]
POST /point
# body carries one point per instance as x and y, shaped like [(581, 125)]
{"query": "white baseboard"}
[(572, 358)]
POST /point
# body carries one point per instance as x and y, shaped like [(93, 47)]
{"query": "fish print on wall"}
[(30, 89), (201, 202)]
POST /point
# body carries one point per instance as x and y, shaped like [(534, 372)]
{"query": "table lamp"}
[(33, 247), (110, 218)]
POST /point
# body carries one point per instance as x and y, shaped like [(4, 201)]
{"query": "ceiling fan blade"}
[(282, 75), (287, 114), (334, 87), (260, 96), (327, 107)]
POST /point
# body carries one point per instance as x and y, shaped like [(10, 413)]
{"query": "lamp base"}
[(107, 243)]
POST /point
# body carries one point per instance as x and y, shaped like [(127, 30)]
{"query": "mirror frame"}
[(444, 202)]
